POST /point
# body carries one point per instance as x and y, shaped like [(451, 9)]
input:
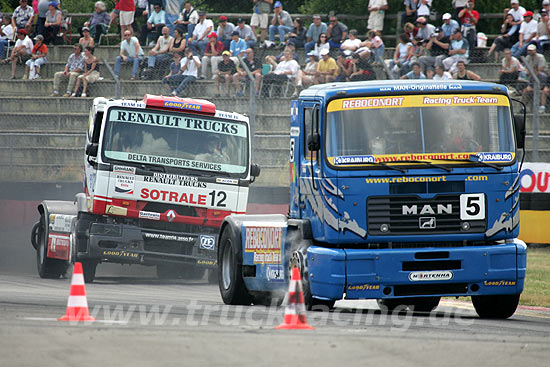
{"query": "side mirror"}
[(254, 172), (519, 130), (91, 149), (314, 142)]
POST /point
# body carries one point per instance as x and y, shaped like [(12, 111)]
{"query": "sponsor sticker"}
[(364, 287), (230, 181), (495, 157), (275, 273), (422, 276), (499, 283), (207, 242), (61, 222), (124, 183), (172, 179), (149, 215), (357, 159), (294, 131), (207, 262), (265, 243), (120, 253), (124, 169), (167, 237)]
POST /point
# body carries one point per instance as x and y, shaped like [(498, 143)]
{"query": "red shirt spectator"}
[(40, 49), (125, 5), (468, 15)]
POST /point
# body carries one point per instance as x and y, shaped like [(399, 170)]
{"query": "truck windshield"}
[(432, 128), (174, 139)]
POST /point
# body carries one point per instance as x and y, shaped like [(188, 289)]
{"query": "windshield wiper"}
[(430, 164), (383, 164), (473, 159), (150, 166)]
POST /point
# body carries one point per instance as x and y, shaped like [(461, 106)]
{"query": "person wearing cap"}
[(260, 15), (225, 71), (212, 54), (459, 50), (200, 34), (449, 25), (73, 68), (425, 30), (345, 67), (154, 25), (543, 31), (237, 47), (377, 9), (130, 52), (313, 32), (546, 6), (86, 39), (187, 19), (254, 65), (225, 31), (52, 25), (246, 33), (281, 22), (306, 77), (124, 9), (6, 35), (98, 22), (38, 58), (517, 12), (337, 32), (22, 49), (527, 34), (327, 70), (160, 54), (23, 16), (510, 35), (537, 62)]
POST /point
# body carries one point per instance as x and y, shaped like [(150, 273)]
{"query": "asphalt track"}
[(142, 321)]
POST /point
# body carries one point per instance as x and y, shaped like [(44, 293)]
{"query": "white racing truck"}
[(160, 175)]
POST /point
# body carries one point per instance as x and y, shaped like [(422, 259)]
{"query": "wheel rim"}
[(226, 265), (41, 247)]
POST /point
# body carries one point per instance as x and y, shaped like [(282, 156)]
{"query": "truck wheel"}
[(496, 307), (47, 268), (89, 268), (230, 276), (312, 304)]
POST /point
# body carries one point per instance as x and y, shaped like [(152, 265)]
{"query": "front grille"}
[(411, 215), (429, 289), (184, 210)]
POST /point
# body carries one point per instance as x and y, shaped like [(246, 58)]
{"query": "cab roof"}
[(390, 87)]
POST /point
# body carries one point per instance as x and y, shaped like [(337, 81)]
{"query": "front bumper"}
[(129, 244), (389, 273)]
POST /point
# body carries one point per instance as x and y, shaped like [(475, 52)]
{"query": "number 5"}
[(472, 206)]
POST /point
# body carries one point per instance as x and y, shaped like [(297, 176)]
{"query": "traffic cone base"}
[(295, 311), (77, 305), (295, 322)]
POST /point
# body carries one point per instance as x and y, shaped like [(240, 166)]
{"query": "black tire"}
[(416, 304), (496, 307), (88, 268), (230, 276), (34, 235), (47, 268)]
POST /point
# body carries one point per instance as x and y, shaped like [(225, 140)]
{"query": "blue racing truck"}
[(401, 191)]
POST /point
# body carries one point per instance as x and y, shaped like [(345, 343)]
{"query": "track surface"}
[(143, 321)]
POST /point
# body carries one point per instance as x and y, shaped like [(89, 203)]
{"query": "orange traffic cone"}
[(295, 311), (77, 305)]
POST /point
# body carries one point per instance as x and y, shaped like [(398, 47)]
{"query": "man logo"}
[(426, 222)]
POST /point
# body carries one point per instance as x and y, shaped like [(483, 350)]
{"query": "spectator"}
[(536, 62), (510, 35), (468, 19), (449, 25), (254, 65), (458, 51), (352, 44), (345, 68), (160, 53), (463, 74), (400, 54), (423, 9), (188, 72), (543, 31), (415, 52), (410, 30), (274, 60), (22, 49), (375, 44), (437, 48), (327, 70), (377, 9), (130, 51), (99, 21), (23, 17), (141, 13), (86, 39), (307, 76), (425, 30), (226, 70), (91, 72), (174, 68), (6, 35), (546, 6), (510, 69), (458, 5), (179, 43), (337, 32), (260, 15), (409, 15), (154, 25), (38, 58), (187, 20), (225, 31), (246, 33), (441, 74), (212, 54), (73, 68), (298, 34), (313, 32), (172, 10), (124, 9), (287, 68), (40, 11), (200, 34), (430, 73), (322, 44), (517, 12), (281, 22), (53, 22), (415, 73), (527, 34), (361, 69), (237, 47)]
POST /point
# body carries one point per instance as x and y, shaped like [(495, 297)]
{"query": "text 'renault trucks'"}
[(160, 176), (403, 192)]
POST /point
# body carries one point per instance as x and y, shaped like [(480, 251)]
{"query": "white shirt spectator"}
[(517, 14), (528, 29), (424, 8), (285, 65), (459, 3), (426, 32), (200, 28), (192, 69), (355, 44), (446, 76), (27, 42), (8, 32)]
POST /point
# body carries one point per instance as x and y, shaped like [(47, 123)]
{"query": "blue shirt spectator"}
[(449, 25), (237, 45), (313, 32)]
